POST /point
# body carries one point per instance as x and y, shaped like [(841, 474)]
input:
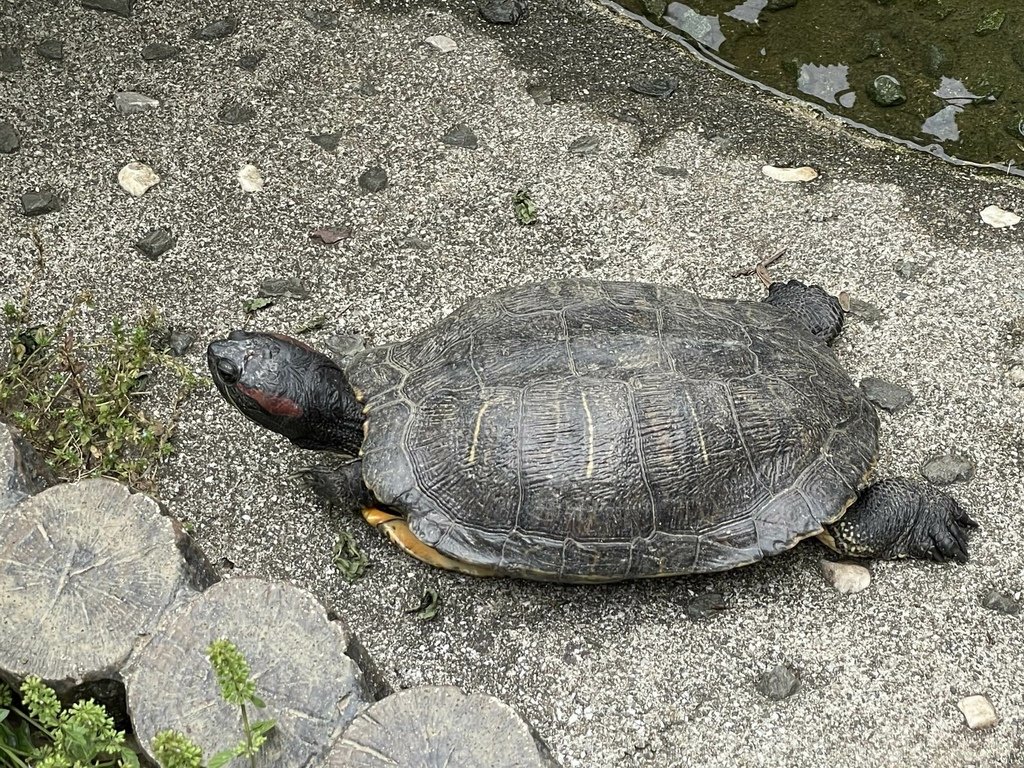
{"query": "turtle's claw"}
[(946, 530)]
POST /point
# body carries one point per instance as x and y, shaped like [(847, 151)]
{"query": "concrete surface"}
[(614, 675)]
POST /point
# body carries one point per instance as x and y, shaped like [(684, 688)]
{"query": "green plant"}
[(234, 679), (42, 734), (81, 404)]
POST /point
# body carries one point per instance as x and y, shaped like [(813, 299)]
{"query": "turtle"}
[(580, 430)]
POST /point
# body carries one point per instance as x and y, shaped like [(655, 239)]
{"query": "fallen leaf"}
[(802, 173), (254, 305), (997, 217), (524, 207), (430, 604), (329, 235), (348, 558)]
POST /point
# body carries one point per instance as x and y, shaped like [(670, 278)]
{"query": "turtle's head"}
[(287, 386)]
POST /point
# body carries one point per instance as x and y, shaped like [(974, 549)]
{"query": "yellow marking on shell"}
[(590, 435), (700, 432), (476, 432)]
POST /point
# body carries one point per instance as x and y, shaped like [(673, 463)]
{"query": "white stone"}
[(132, 103), (978, 712), (848, 578), (443, 43), (136, 178), (803, 173), (250, 178), (996, 217), (1016, 375)]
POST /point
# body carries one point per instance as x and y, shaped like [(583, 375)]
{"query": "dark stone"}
[(179, 342), (503, 11), (910, 270), (327, 141), (217, 30), (412, 241), (1000, 602), (873, 46), (10, 59), (779, 683), (541, 94), (990, 22), (373, 179), (460, 135), (705, 605), (323, 20), (866, 311), (156, 242), (889, 397), (249, 61), (120, 7), (778, 5), (948, 468), (288, 287), (584, 145), (628, 117), (367, 88), (668, 170), (235, 113), (659, 88), (40, 202), (52, 48), (10, 139), (156, 51), (938, 60), (886, 91)]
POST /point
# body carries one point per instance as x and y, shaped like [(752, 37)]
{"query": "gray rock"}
[(866, 311), (705, 605), (910, 270), (40, 202), (373, 179), (157, 51), (889, 397), (10, 59), (938, 60), (235, 113), (22, 471), (323, 20), (948, 468), (659, 88), (671, 170), (541, 94), (288, 287), (120, 7), (886, 91), (327, 141), (978, 712), (156, 242), (778, 5), (10, 139), (52, 48), (249, 61), (584, 145), (460, 135), (779, 683), (217, 30), (503, 11), (847, 578), (179, 342), (133, 103), (1000, 602)]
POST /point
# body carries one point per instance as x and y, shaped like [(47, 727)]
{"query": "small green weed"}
[(348, 558)]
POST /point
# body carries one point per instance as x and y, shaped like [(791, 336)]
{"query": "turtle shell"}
[(595, 431)]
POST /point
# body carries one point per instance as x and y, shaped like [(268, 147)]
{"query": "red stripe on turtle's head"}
[(277, 405)]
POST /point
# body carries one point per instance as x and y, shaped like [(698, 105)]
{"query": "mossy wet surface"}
[(958, 65)]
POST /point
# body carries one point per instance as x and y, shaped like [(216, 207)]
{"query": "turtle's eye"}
[(228, 370)]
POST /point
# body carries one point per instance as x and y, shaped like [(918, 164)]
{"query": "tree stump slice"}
[(311, 688), (22, 472), (86, 569), (437, 726)]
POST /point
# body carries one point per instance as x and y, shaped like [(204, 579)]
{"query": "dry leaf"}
[(803, 173)]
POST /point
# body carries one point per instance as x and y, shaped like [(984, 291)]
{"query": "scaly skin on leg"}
[(398, 530), (899, 518), (817, 309)]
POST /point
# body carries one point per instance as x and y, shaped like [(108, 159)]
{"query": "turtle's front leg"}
[(900, 518), (341, 485)]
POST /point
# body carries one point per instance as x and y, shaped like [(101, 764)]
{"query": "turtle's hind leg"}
[(899, 518), (398, 531)]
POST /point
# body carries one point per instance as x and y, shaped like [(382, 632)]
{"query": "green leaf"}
[(256, 701), (348, 558), (523, 205), (262, 727), (255, 305), (430, 604), (128, 758), (225, 756), (313, 324)]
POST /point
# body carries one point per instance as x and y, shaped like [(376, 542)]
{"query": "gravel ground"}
[(615, 675)]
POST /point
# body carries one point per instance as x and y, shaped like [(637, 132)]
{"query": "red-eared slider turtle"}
[(578, 430)]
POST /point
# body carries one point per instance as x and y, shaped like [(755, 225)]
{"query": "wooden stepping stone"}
[(86, 570), (22, 472), (297, 656), (438, 726)]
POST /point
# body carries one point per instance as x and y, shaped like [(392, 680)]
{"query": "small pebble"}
[(10, 139), (948, 468), (998, 217), (368, 88), (978, 712), (327, 141), (866, 311), (848, 578), (132, 103), (330, 235), (412, 241), (156, 51), (503, 11), (235, 113), (910, 270), (460, 135), (10, 59), (180, 342), (889, 397), (40, 202), (373, 179), (443, 43), (322, 20), (1015, 376), (137, 178), (52, 48), (251, 60), (250, 178), (584, 145), (659, 88), (669, 170), (288, 287), (120, 7), (705, 605), (1000, 602), (886, 91), (800, 174), (779, 683), (541, 94), (217, 30), (156, 242)]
